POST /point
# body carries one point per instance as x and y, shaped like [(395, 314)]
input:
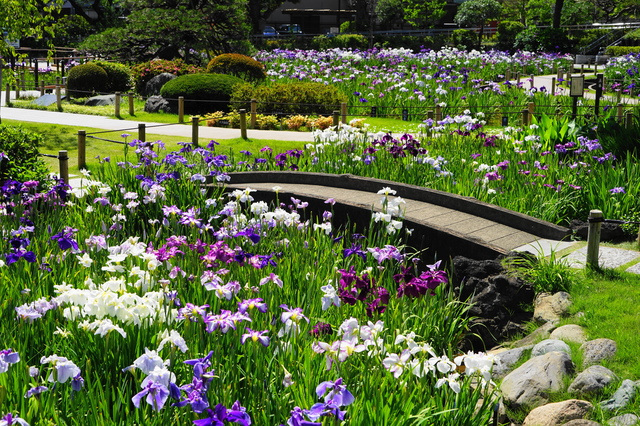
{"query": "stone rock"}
[(540, 333), (581, 422), (550, 345), (530, 384), (621, 397), (153, 86), (569, 333), (102, 100), (596, 350), (506, 360), (551, 307), (558, 413), (624, 420), (156, 104), (496, 301), (592, 380)]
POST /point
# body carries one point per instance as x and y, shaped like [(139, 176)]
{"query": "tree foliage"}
[(175, 29), (26, 18), (476, 13), (424, 13)]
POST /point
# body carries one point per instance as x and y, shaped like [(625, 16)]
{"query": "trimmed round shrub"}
[(20, 160), (289, 98), (241, 66), (202, 92), (118, 76), (86, 79), (142, 73)]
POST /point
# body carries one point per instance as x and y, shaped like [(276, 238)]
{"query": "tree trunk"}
[(557, 13)]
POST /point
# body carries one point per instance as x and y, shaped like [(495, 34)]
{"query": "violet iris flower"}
[(256, 336), (220, 414), (8, 357)]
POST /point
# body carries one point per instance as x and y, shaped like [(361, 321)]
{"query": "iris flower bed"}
[(149, 297), (396, 79)]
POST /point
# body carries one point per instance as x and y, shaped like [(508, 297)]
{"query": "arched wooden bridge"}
[(445, 224)]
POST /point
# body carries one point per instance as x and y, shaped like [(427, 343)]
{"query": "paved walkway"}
[(183, 130)]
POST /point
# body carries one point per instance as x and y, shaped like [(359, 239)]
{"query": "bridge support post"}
[(593, 238)]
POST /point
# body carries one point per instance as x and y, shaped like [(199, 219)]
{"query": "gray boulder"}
[(154, 85), (624, 420), (596, 350), (621, 398), (506, 360), (581, 422), (102, 100), (592, 380), (569, 333), (530, 384), (558, 413), (550, 345), (156, 104)]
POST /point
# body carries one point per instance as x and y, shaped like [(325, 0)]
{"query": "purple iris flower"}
[(8, 357), (336, 392), (200, 365), (256, 336), (220, 414), (65, 239), (156, 395), (36, 390), (10, 420)]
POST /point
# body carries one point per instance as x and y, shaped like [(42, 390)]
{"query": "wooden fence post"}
[(58, 98), (132, 110), (117, 104), (180, 109), (42, 87), (243, 123), (254, 113), (628, 119), (142, 132), (525, 118), (63, 161), (619, 112), (336, 118), (438, 113), (8, 94), (195, 124), (343, 112), (531, 81), (82, 148), (593, 237), (553, 86)]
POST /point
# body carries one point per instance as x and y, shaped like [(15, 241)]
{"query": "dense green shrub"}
[(145, 71), (348, 27), (118, 76), (289, 98), (21, 161), (464, 39), (507, 32), (343, 41), (415, 43), (86, 79), (632, 38), (538, 39), (244, 67), (621, 50), (202, 92)]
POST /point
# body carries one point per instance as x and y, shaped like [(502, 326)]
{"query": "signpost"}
[(576, 91)]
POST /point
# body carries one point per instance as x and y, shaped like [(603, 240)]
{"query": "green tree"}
[(476, 13), (424, 13), (25, 18), (178, 29), (259, 10)]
